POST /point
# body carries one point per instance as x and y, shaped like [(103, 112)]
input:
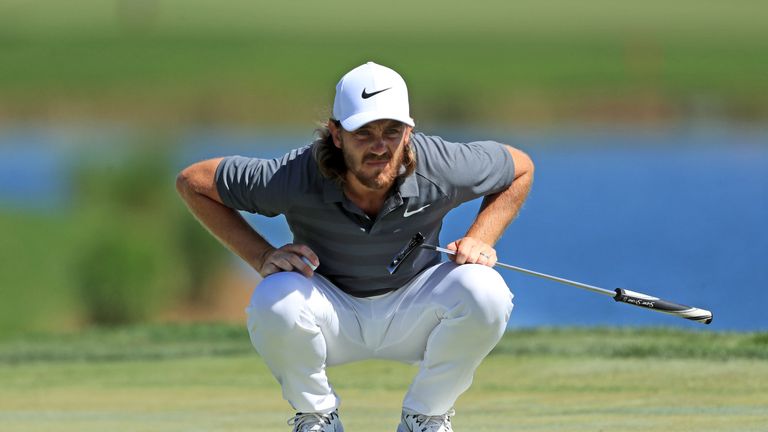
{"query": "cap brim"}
[(356, 121)]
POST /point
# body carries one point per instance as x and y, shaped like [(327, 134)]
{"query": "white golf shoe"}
[(316, 422), (415, 422)]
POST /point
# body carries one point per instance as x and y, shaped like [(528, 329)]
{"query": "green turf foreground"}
[(205, 379)]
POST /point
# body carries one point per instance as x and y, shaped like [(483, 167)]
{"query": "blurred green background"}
[(124, 81), (161, 62)]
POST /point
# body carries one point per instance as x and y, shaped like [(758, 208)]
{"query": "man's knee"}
[(281, 320), (485, 294), (278, 300)]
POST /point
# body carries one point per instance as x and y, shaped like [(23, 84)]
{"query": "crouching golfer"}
[(353, 198)]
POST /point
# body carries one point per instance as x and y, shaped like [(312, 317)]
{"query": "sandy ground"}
[(225, 300)]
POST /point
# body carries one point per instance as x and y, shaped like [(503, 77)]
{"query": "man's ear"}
[(335, 129)]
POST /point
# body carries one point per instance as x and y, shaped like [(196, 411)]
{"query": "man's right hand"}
[(288, 258)]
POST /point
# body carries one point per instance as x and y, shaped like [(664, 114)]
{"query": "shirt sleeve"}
[(471, 170), (256, 185)]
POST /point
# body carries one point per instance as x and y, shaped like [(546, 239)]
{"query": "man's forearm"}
[(500, 209), (228, 226)]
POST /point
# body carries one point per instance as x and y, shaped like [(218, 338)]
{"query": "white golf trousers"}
[(447, 319)]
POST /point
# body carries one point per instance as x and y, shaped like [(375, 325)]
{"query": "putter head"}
[(416, 241)]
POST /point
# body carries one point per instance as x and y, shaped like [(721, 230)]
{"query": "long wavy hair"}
[(330, 159)]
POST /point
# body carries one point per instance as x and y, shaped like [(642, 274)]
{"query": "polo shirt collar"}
[(409, 187)]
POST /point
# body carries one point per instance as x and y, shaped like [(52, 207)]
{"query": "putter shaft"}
[(619, 294), (598, 290)]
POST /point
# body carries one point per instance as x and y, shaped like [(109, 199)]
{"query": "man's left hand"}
[(472, 251)]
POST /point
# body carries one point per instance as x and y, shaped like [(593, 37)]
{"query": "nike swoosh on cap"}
[(366, 95)]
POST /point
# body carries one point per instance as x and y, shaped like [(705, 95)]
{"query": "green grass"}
[(176, 341), (205, 378), (35, 280), (263, 62)]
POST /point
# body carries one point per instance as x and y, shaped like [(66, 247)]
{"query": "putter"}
[(619, 294)]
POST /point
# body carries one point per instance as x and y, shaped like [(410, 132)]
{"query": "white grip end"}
[(309, 263)]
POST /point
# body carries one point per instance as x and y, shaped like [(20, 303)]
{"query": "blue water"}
[(680, 215), (685, 224)]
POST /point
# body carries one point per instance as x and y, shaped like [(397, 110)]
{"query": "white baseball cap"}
[(371, 92)]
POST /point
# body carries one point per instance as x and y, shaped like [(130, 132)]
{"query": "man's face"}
[(373, 153)]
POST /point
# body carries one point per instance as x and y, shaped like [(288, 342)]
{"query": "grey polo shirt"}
[(354, 249)]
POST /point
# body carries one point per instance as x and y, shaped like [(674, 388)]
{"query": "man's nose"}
[(378, 146)]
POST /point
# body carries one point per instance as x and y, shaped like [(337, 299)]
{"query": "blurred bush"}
[(116, 278), (142, 250)]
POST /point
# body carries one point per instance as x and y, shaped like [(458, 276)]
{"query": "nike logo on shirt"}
[(409, 213)]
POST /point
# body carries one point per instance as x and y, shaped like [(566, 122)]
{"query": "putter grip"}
[(659, 305)]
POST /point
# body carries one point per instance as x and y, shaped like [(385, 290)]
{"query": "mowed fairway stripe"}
[(511, 393)]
